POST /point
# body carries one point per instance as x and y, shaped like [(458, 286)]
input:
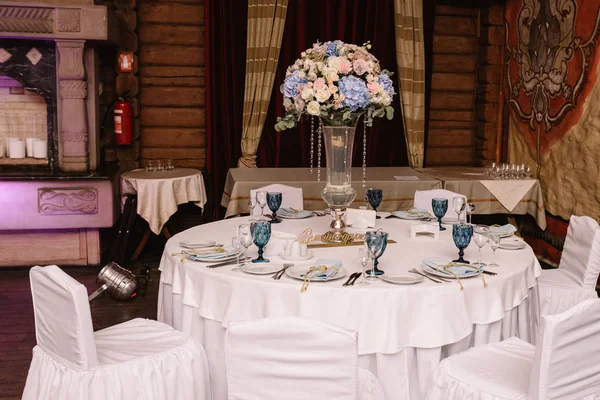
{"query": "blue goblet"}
[(439, 206), (374, 197), (261, 233), (462, 233), (376, 242), (274, 202)]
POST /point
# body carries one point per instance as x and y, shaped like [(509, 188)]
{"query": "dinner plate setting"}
[(261, 268), (402, 279), (210, 255), (329, 270), (445, 268), (504, 231), (412, 214), (291, 213), (512, 243)]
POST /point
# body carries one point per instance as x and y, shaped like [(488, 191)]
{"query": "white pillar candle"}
[(40, 148), (29, 143), (1, 150), (17, 148)]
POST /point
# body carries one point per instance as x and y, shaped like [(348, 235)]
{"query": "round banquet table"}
[(403, 331), (160, 192)]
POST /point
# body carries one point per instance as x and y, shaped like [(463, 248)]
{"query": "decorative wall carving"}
[(26, 19), (74, 137), (61, 201), (68, 20), (71, 60), (73, 89)]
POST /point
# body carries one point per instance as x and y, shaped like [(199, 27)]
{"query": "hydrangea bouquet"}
[(337, 82)]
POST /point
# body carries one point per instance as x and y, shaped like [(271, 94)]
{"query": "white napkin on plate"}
[(333, 266), (507, 229)]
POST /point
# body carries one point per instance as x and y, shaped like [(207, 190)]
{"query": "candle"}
[(1, 150), (16, 148), (29, 142), (40, 148)]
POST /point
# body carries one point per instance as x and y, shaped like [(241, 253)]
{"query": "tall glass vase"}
[(338, 193)]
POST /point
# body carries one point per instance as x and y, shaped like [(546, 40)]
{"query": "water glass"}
[(160, 165), (363, 257), (495, 243), (440, 207), (480, 236), (470, 212), (261, 200), (274, 202), (261, 233), (376, 242), (462, 234), (150, 167), (169, 165), (252, 206), (374, 197), (245, 236), (236, 245), (459, 203)]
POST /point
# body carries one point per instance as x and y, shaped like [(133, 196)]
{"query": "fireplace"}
[(54, 194)]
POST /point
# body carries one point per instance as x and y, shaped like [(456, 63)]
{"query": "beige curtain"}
[(410, 55), (266, 19)]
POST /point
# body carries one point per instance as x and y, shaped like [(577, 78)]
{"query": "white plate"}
[(413, 215), (260, 268), (401, 279), (308, 256), (297, 272), (300, 214), (445, 274), (512, 244), (196, 257), (196, 245)]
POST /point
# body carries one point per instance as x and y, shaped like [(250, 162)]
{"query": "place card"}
[(406, 178), (424, 231)]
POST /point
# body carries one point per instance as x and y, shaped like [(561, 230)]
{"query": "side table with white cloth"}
[(493, 196), (403, 331), (159, 193)]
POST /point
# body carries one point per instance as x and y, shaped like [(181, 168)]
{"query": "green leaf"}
[(389, 112)]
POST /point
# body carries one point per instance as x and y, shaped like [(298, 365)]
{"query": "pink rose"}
[(319, 83), (345, 66), (360, 66), (373, 87)]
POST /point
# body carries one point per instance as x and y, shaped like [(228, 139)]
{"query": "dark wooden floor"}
[(17, 331)]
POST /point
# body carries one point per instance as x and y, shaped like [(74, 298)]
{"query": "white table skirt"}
[(403, 331)]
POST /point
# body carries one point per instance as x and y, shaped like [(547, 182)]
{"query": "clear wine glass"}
[(261, 200), (528, 171), (495, 243), (459, 203), (470, 212), (237, 246), (363, 257), (480, 237), (252, 206), (245, 236)]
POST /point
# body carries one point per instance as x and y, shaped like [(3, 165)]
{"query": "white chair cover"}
[(295, 359), (139, 359), (290, 196), (564, 365), (575, 279), (423, 199)]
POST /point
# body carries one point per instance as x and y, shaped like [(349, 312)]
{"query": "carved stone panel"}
[(67, 201), (68, 20)]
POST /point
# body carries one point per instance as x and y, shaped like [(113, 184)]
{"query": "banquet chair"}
[(290, 196), (423, 200), (575, 278), (565, 364), (138, 359), (295, 359)]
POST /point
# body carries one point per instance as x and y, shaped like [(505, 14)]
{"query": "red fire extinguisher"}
[(123, 125)]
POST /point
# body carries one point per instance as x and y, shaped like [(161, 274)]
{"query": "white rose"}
[(332, 76), (334, 62), (312, 76), (313, 108), (307, 93), (322, 95)]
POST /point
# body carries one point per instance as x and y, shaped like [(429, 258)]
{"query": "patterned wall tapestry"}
[(552, 59)]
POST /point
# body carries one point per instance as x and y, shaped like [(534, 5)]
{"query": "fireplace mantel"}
[(61, 21)]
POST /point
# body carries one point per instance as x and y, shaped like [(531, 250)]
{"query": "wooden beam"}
[(183, 117), (171, 13), (452, 101), (450, 10), (454, 44), (172, 34), (452, 82), (445, 115), (453, 63), (454, 25), (449, 138), (450, 124), (173, 137), (171, 55), (173, 96), (173, 153), (449, 156)]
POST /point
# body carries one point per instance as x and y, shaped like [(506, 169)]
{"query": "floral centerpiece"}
[(338, 82)]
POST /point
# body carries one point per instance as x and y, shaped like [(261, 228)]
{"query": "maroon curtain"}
[(352, 21), (225, 55)]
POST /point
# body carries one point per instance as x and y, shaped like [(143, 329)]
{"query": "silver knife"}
[(224, 263)]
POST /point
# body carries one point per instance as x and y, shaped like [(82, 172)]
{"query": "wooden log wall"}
[(172, 81), (450, 137)]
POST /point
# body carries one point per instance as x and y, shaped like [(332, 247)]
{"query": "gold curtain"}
[(266, 20), (410, 56)]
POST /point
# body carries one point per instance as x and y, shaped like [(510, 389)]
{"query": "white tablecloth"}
[(159, 193), (403, 331)]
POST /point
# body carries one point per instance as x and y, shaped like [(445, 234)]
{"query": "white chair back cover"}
[(567, 354), (423, 199), (580, 259), (290, 197), (290, 358), (63, 323)]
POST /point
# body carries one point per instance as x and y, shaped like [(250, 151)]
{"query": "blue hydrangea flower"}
[(332, 48), (387, 83), (290, 85), (355, 92)]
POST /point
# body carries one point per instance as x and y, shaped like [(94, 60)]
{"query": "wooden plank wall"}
[(172, 80), (451, 136)]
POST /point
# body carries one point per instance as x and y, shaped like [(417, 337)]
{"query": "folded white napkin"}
[(509, 192), (360, 219), (507, 229), (333, 266)]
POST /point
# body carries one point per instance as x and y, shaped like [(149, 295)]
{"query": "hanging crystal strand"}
[(320, 133), (364, 160), (346, 154), (312, 143)]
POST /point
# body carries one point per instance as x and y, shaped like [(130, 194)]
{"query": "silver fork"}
[(277, 276), (414, 271)]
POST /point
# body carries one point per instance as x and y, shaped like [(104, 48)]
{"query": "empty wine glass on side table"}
[(495, 243), (261, 200)]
